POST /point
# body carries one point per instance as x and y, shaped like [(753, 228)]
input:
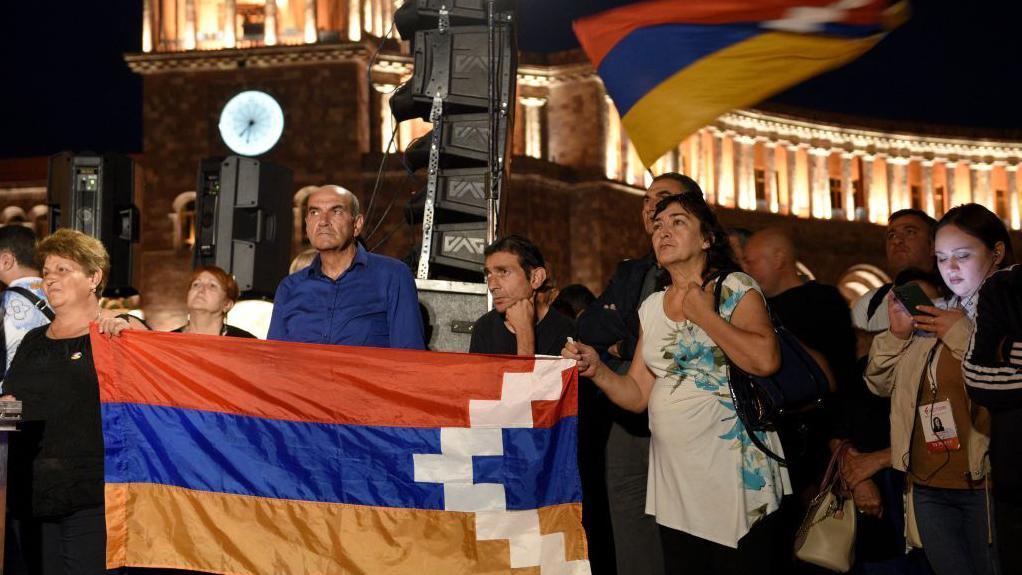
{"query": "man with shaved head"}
[(347, 295), (819, 317)]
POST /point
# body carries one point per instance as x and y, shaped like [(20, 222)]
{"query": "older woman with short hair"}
[(211, 294), (56, 461)]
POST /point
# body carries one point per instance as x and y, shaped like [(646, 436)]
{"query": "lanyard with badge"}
[(936, 417)]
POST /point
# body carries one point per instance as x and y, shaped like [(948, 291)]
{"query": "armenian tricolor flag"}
[(673, 66), (245, 456)]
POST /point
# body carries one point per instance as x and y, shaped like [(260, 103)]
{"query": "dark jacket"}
[(993, 376), (601, 327)]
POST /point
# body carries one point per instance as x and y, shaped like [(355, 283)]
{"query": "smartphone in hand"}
[(911, 295)]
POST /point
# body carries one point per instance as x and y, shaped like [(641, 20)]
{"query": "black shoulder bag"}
[(799, 385)]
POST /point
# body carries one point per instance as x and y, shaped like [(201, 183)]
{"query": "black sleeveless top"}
[(56, 458)]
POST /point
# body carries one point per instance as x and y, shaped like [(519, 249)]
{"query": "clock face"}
[(251, 123)]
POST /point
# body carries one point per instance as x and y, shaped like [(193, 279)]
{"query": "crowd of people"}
[(907, 423), (921, 410)]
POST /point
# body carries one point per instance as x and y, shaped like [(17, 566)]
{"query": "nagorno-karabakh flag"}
[(673, 66), (244, 456)]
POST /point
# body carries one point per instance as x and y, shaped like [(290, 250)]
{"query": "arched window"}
[(183, 219), (804, 272), (39, 220), (12, 215), (859, 279)]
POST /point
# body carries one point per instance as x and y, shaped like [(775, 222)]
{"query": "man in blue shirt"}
[(347, 295)]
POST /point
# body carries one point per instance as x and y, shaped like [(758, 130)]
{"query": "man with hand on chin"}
[(519, 323)]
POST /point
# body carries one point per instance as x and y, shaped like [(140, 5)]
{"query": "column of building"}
[(695, 157), (745, 181), (311, 32), (847, 186), (1011, 171), (791, 174), (770, 174), (188, 41), (926, 170), (533, 125), (979, 181), (270, 23), (819, 180), (718, 155), (872, 200), (147, 26)]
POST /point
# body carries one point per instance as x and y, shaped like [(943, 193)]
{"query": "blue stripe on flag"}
[(361, 465), (648, 56), (537, 469)]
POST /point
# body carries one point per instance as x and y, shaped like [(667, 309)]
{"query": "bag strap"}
[(834, 466), (750, 432), (39, 303), (876, 300), (720, 276)]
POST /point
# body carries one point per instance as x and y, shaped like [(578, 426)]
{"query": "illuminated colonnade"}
[(175, 25), (758, 161)]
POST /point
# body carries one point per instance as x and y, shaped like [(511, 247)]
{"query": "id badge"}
[(938, 425)]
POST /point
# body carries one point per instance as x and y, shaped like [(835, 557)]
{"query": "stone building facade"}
[(575, 184)]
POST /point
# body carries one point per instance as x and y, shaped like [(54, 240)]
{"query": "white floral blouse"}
[(706, 477)]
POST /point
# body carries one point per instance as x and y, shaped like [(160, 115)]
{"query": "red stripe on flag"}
[(306, 382), (599, 33)]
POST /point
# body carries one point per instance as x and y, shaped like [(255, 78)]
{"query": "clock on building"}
[(251, 123)]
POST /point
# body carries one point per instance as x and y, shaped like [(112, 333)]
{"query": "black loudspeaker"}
[(470, 62), (455, 64), (460, 245), (94, 194), (460, 197), (243, 221)]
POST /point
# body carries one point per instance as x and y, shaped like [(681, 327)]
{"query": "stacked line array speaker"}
[(465, 61)]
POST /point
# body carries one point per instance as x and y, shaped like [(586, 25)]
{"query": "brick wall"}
[(326, 134)]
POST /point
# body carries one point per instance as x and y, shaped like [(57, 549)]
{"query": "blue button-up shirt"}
[(373, 303)]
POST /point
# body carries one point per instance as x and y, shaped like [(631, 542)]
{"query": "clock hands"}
[(251, 122), (246, 130)]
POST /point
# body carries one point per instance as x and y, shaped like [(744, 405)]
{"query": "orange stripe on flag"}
[(171, 527)]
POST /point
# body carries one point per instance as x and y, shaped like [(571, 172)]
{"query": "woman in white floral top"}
[(709, 486)]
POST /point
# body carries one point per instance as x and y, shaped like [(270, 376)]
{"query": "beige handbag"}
[(912, 537), (827, 534)]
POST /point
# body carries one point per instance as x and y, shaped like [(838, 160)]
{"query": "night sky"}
[(65, 84)]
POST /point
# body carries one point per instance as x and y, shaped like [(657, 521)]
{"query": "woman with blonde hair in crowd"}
[(302, 260), (938, 437), (56, 459), (211, 294)]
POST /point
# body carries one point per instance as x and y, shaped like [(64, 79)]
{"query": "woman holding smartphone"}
[(938, 437)]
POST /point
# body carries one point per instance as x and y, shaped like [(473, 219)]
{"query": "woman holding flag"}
[(56, 459)]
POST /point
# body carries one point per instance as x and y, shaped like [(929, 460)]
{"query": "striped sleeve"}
[(993, 364)]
